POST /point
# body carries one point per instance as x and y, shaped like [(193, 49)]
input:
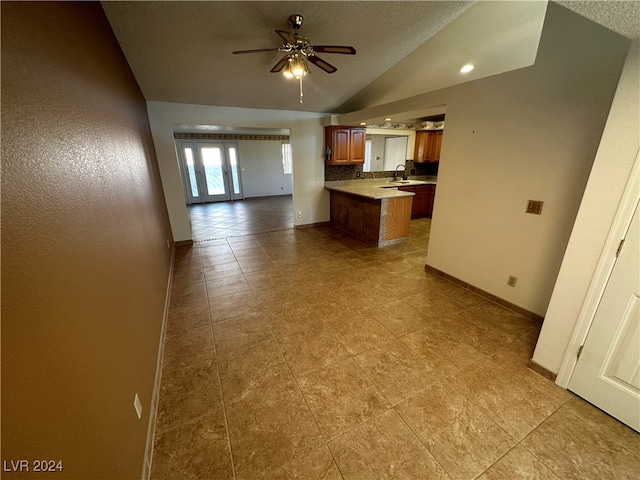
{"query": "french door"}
[(211, 171)]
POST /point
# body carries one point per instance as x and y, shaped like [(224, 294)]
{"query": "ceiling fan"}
[(298, 51)]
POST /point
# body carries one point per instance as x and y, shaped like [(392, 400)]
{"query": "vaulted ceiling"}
[(180, 51)]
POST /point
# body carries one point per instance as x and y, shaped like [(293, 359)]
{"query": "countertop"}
[(377, 189)]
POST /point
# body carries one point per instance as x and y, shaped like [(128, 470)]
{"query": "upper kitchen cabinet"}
[(344, 145), (428, 146)]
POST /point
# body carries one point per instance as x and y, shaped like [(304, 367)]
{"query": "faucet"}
[(404, 174)]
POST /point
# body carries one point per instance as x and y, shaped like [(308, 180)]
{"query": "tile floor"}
[(304, 354), (253, 215)]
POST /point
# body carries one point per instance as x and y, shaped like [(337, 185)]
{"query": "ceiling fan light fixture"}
[(298, 67), (287, 72), (299, 52)]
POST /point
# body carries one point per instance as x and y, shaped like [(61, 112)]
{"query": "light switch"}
[(535, 207)]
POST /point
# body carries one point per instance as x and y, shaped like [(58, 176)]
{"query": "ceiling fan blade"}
[(334, 49), (280, 65), (257, 50), (318, 62), (286, 36)]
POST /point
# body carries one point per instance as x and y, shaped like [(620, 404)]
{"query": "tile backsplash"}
[(354, 172)]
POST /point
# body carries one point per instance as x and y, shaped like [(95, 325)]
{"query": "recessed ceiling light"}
[(363, 123), (467, 68), (387, 119)]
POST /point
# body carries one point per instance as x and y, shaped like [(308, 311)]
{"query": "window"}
[(286, 158), (367, 156)]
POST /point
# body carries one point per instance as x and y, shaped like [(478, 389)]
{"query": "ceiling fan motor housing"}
[(295, 21)]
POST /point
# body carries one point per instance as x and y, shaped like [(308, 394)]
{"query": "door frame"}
[(604, 268)]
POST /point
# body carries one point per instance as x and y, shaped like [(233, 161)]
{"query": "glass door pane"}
[(214, 171), (234, 171), (214, 174), (191, 171)]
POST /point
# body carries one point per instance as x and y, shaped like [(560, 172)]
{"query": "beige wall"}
[(528, 134), (85, 261), (611, 169)]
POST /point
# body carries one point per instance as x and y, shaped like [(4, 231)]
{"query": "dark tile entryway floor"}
[(241, 217), (304, 354)]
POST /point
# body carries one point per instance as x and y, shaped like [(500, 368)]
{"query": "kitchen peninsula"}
[(375, 211)]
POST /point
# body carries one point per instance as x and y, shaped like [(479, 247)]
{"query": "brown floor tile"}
[(441, 352), (188, 393), (402, 285), (359, 332), (317, 465), (278, 293), (518, 464), (186, 275), (215, 272), (248, 373), (517, 401), (188, 293), (226, 285), (240, 332), (219, 258), (384, 448), (270, 430), (432, 304), (460, 437), (233, 305), (340, 397), (312, 348), (256, 264), (399, 317), (483, 336), (581, 442), (182, 318), (396, 370), (197, 450), (505, 319), (288, 317), (193, 346)]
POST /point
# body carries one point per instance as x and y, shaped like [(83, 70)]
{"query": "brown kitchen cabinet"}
[(428, 146), (344, 145), (423, 198)]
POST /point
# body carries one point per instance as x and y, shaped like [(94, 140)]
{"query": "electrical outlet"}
[(299, 214), (358, 174), (138, 406), (512, 281)]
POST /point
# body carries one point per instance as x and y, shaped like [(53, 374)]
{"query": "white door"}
[(608, 371), (211, 171)]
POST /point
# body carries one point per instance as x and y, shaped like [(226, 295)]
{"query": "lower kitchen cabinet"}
[(379, 222), (422, 200)]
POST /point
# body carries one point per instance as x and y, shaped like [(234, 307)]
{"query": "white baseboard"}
[(155, 396)]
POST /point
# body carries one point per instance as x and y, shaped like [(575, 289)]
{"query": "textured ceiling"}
[(180, 51), (621, 17)]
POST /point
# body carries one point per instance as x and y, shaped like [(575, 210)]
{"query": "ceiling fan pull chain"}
[(301, 94)]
